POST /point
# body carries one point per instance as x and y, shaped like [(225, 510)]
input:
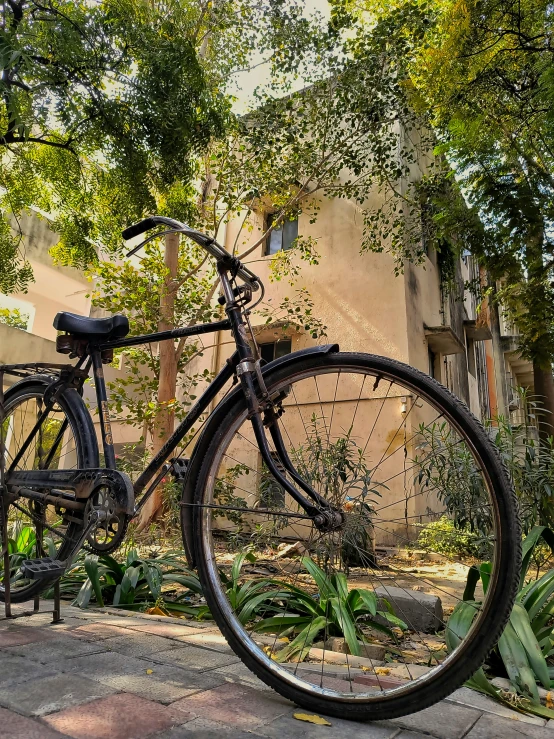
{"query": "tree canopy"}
[(479, 73)]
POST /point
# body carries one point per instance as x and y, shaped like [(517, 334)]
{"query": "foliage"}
[(135, 291), (480, 74), (528, 639), (131, 583), (444, 537), (448, 469), (14, 318), (530, 465), (334, 611), (104, 107)]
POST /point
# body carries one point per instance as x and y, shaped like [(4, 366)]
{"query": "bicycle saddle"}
[(114, 327)]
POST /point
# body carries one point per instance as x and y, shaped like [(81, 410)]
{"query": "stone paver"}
[(288, 727), (235, 705), (212, 639), (49, 694), (169, 630), (164, 683), (97, 631), (14, 726), (239, 673), (495, 727), (467, 697), (195, 658), (18, 637), (103, 666), (107, 675), (14, 669), (54, 648), (137, 644), (118, 717), (201, 728), (447, 720)]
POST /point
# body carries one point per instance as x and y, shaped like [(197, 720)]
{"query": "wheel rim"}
[(34, 531), (430, 436)]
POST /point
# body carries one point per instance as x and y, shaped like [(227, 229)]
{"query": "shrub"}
[(443, 537)]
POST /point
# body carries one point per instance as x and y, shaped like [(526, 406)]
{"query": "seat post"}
[(103, 412)]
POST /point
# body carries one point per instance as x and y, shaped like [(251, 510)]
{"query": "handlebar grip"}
[(139, 228)]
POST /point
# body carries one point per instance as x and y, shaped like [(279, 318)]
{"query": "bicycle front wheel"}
[(357, 622)]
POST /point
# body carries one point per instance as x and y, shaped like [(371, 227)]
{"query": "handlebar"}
[(206, 242)]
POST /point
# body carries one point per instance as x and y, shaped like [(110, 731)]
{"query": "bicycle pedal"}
[(179, 466), (41, 569)]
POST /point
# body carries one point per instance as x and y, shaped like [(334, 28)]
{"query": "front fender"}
[(215, 419)]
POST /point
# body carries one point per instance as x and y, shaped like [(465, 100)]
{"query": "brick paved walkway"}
[(105, 676)]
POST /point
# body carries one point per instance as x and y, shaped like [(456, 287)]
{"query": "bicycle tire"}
[(87, 456), (502, 589)]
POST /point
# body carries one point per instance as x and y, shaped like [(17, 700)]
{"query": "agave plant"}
[(130, 583), (528, 639), (333, 611), (249, 599)]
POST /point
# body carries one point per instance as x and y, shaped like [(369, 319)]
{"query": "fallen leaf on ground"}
[(311, 718), (156, 611), (382, 671), (149, 672)]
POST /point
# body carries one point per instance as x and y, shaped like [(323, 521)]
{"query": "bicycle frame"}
[(217, 384), (241, 364)]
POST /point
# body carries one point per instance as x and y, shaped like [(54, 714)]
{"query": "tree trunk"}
[(498, 355), (167, 379), (544, 390), (538, 306)]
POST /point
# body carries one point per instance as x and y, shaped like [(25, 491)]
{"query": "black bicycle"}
[(323, 468)]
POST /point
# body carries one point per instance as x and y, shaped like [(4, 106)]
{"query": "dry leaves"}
[(311, 719)]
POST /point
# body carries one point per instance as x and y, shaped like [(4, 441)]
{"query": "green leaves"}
[(528, 638), (133, 582)]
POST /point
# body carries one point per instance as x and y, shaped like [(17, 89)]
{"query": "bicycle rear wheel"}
[(342, 622), (65, 440)]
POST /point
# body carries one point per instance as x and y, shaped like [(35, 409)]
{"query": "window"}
[(433, 371), (281, 237), (275, 349), (272, 495), (470, 352)]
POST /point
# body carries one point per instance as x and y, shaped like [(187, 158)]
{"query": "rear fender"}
[(219, 413)]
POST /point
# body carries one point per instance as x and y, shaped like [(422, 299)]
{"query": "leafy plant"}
[(528, 639), (131, 583), (443, 537), (334, 611), (14, 318), (338, 470), (529, 463), (248, 599), (448, 470)]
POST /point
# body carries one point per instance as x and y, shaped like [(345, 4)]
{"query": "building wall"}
[(54, 288)]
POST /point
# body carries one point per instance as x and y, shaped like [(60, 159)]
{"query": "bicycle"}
[(315, 461)]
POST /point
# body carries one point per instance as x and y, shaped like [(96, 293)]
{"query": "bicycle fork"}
[(258, 400)]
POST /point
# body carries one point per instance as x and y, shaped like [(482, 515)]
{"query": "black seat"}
[(115, 327)]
